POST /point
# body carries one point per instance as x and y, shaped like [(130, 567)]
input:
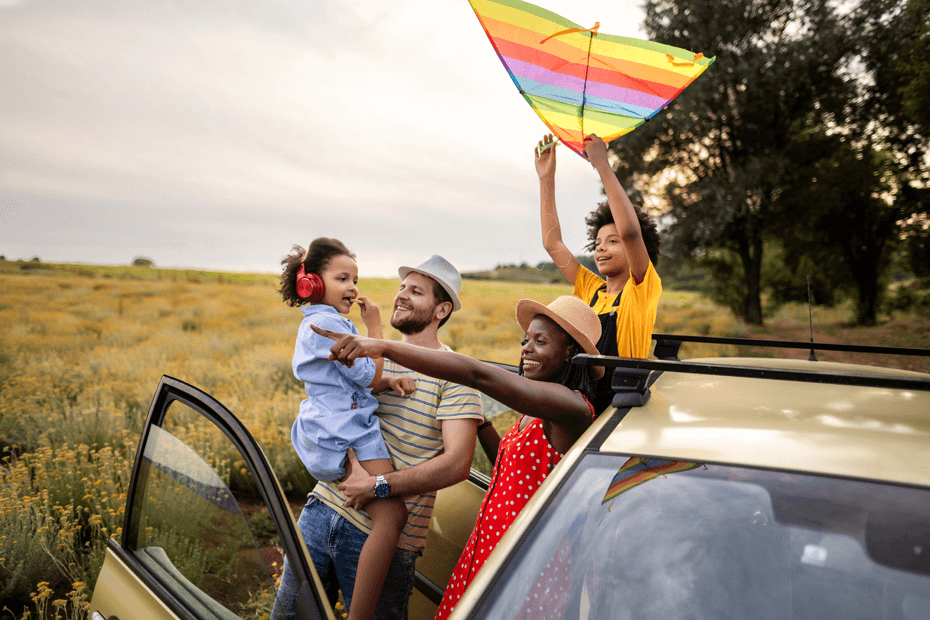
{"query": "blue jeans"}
[(335, 545)]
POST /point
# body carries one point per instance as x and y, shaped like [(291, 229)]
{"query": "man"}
[(430, 435)]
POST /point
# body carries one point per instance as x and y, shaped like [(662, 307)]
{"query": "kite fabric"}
[(638, 470), (580, 81)]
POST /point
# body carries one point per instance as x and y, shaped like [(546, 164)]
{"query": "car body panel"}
[(865, 432), (120, 594)]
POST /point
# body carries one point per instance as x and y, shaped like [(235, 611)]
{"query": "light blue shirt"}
[(338, 412)]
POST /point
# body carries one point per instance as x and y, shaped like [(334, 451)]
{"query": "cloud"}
[(365, 119)]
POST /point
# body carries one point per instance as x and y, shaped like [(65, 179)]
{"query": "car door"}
[(206, 524)]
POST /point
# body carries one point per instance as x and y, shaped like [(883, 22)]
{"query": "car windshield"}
[(638, 538)]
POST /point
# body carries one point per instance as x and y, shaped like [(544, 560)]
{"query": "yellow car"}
[(724, 488)]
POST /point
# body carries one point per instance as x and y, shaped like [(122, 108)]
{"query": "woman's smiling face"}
[(545, 350)]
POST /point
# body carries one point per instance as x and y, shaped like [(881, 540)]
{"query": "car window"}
[(503, 418), (214, 547), (638, 538)]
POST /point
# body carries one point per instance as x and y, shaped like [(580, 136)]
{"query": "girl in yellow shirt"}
[(627, 296)]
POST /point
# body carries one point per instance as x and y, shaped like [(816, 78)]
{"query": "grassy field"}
[(83, 348)]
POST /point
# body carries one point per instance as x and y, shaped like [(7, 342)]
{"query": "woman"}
[(551, 393)]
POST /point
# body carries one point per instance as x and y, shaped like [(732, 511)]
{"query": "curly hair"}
[(322, 250), (602, 216)]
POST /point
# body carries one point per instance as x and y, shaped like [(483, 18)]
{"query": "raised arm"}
[(549, 217), (631, 235), (552, 402)]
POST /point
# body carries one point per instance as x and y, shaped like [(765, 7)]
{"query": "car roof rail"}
[(668, 346), (755, 372)]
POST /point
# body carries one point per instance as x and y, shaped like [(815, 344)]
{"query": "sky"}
[(217, 134)]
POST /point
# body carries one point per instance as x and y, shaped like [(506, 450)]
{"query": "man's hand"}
[(349, 346), (595, 150), (359, 487), (545, 159), (402, 386)]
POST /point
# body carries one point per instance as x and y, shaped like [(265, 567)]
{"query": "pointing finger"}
[(325, 332)]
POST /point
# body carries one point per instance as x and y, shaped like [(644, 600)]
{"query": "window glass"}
[(213, 546), (631, 538)]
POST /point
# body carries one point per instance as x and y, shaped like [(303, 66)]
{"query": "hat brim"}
[(528, 309), (403, 272)]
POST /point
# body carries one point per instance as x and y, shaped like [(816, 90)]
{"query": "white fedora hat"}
[(443, 272)]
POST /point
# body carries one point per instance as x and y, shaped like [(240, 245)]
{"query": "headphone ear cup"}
[(309, 285)]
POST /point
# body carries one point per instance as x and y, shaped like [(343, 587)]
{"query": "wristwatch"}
[(382, 488)]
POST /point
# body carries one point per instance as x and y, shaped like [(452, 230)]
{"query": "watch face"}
[(382, 488)]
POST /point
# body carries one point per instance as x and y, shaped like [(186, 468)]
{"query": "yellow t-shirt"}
[(636, 313)]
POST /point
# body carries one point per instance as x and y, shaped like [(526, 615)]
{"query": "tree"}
[(914, 66), (841, 217), (896, 105), (141, 261), (896, 52), (726, 140)]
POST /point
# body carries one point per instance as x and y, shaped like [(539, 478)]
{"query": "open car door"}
[(190, 547)]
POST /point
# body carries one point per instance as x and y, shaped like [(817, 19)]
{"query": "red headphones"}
[(309, 285)]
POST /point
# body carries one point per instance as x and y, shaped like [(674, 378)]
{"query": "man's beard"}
[(414, 323)]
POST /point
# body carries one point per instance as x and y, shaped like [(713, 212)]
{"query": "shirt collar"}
[(318, 309)]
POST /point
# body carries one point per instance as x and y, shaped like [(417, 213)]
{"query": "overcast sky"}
[(218, 133)]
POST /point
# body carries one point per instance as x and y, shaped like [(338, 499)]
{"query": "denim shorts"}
[(335, 544)]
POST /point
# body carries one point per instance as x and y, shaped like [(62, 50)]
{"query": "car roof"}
[(878, 433)]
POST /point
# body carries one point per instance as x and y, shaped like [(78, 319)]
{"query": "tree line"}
[(802, 150)]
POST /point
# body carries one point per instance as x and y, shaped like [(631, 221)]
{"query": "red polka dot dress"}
[(524, 459)]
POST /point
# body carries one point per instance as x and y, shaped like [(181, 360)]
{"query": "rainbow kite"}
[(638, 470), (580, 81)]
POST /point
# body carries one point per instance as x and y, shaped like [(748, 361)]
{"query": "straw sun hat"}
[(572, 315)]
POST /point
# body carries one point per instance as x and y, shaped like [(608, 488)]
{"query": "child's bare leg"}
[(388, 516)]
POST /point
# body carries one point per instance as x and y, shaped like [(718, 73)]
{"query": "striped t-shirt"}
[(412, 429)]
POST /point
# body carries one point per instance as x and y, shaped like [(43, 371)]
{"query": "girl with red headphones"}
[(338, 412)]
